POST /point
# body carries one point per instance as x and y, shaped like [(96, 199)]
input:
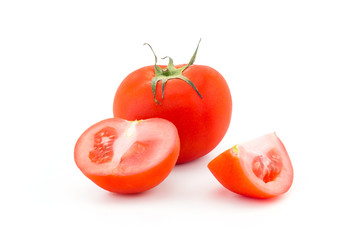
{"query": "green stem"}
[(171, 72)]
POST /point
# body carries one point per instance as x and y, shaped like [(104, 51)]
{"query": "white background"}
[(292, 66)]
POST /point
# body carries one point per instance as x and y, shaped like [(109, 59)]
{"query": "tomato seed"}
[(102, 150), (268, 167)]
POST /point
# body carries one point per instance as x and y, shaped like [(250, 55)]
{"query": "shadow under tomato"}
[(162, 191), (225, 195), (128, 195), (116, 198)]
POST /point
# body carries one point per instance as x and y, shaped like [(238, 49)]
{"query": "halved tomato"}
[(128, 156), (259, 168)]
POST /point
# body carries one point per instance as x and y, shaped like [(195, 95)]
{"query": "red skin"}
[(201, 122)]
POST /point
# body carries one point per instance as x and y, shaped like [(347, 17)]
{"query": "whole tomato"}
[(195, 98)]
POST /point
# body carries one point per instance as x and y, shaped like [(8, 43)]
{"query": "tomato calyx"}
[(171, 72)]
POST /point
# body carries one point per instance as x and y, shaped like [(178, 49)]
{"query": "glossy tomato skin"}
[(231, 171), (118, 179), (201, 122)]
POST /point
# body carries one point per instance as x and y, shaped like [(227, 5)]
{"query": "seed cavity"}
[(267, 167), (103, 145)]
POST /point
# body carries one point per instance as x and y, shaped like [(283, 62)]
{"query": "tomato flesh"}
[(103, 149), (259, 168), (267, 167), (128, 156)]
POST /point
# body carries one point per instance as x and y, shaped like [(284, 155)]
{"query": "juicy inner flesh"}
[(128, 149), (103, 145), (267, 167)]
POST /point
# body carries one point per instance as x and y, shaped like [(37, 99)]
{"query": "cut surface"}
[(103, 145), (120, 147), (266, 163), (267, 167)]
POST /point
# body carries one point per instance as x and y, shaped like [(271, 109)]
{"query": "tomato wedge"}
[(128, 156), (260, 168)]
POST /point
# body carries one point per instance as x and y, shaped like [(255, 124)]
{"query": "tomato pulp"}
[(128, 156), (195, 98), (260, 168)]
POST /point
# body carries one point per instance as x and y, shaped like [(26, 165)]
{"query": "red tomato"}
[(195, 98), (128, 157), (259, 168)]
